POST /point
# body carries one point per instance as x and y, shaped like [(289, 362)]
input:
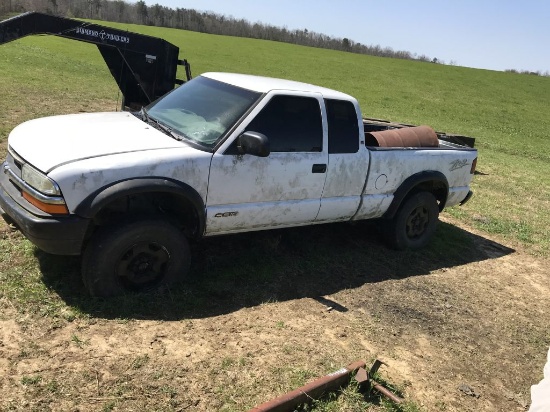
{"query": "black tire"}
[(139, 256), (414, 224)]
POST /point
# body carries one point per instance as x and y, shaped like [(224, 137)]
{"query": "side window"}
[(343, 132), (291, 123)]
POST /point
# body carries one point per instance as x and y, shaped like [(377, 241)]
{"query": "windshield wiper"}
[(159, 126), (168, 130), (144, 114)]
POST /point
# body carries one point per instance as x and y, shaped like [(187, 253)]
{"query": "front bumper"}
[(59, 235)]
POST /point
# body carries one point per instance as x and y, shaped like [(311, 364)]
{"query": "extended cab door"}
[(348, 161), (247, 192)]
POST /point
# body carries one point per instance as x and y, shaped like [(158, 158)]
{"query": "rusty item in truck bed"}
[(144, 67), (418, 136), (371, 124)]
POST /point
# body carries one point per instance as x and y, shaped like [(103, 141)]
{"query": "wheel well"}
[(435, 187), (177, 209), (433, 182)]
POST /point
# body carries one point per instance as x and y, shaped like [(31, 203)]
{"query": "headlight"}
[(41, 191), (39, 181)]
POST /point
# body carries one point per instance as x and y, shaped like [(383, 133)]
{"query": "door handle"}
[(319, 168)]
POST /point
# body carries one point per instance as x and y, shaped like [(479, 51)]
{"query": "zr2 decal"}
[(458, 164)]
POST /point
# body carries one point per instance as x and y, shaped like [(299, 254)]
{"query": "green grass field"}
[(509, 114)]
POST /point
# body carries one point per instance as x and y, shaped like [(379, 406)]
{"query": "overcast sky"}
[(489, 34)]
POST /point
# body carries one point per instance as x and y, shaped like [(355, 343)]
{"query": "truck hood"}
[(49, 142)]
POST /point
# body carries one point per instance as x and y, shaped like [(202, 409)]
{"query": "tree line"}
[(193, 20), (206, 22), (532, 73)]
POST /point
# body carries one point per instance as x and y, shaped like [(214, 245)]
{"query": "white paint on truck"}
[(49, 142), (84, 153)]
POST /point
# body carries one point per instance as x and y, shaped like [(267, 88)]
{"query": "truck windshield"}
[(202, 110)]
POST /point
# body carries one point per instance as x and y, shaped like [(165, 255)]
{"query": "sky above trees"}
[(489, 34)]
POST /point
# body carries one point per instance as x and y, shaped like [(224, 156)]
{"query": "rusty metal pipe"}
[(313, 390), (418, 136), (386, 392), (365, 379)]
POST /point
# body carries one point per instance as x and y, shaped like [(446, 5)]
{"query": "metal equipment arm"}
[(144, 67)]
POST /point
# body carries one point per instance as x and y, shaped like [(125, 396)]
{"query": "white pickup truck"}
[(224, 153)]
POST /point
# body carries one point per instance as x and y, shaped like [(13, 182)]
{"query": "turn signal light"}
[(46, 207), (474, 164)]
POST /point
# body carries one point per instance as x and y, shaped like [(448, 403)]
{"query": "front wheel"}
[(139, 256), (415, 222)]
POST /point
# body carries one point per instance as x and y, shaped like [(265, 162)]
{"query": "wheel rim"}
[(417, 222), (143, 266)]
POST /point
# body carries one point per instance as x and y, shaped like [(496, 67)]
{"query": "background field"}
[(509, 114)]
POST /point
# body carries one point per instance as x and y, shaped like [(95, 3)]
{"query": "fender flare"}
[(94, 202), (433, 177)]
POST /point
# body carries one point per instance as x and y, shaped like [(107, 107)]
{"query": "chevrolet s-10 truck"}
[(223, 153)]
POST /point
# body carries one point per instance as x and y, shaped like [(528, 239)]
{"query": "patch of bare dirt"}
[(468, 337)]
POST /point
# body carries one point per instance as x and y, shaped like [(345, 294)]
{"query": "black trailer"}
[(144, 67)]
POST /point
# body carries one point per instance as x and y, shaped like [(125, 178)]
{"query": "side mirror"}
[(255, 144)]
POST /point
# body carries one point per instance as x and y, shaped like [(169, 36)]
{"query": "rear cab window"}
[(343, 129)]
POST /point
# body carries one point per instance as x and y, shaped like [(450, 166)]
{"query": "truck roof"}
[(266, 84)]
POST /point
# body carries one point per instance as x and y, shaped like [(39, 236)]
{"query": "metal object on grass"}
[(331, 382), (313, 390), (366, 378)]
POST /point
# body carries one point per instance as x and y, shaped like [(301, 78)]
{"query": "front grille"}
[(15, 162)]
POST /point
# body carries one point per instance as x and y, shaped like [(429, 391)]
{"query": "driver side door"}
[(247, 192)]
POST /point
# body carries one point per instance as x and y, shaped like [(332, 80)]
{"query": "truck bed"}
[(446, 140)]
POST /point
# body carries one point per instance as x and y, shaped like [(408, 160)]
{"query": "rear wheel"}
[(415, 222), (140, 256)]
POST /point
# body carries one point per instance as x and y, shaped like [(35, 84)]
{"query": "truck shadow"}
[(232, 272)]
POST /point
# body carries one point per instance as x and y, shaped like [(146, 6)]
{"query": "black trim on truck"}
[(430, 181), (59, 235), (93, 204), (467, 198)]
